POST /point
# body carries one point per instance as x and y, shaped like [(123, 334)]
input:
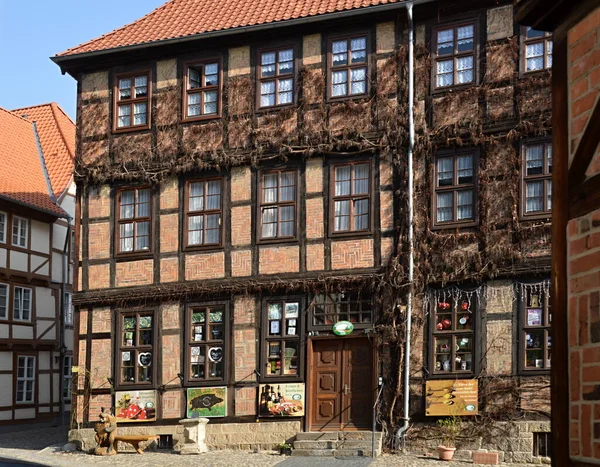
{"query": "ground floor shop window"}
[(355, 306), (67, 377), (536, 319), (206, 336), (282, 330), (136, 347)]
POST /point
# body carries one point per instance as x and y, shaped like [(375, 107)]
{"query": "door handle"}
[(346, 390)]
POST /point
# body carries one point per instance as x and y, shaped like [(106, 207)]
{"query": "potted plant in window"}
[(449, 428)]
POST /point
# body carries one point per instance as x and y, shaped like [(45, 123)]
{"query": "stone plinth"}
[(195, 434)]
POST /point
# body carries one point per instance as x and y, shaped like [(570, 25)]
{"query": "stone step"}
[(353, 444), (317, 436), (324, 444), (359, 435), (334, 452), (313, 452), (355, 453)]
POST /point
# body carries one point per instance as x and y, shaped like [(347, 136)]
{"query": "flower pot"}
[(445, 453), (285, 451)]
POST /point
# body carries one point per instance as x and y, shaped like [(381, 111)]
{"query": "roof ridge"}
[(95, 39), (53, 107), (12, 112)]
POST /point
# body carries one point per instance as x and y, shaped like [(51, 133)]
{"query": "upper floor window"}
[(204, 212), (3, 221), (207, 335), (278, 204), (348, 67), (132, 101), (134, 220), (22, 304), (136, 345), (276, 77), (20, 231), (537, 50), (68, 317), (4, 288), (202, 89), (537, 179), (536, 321), (454, 200), (454, 56), (352, 197), (25, 379)]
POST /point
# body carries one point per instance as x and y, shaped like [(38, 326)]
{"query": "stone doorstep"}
[(333, 452), (338, 435)]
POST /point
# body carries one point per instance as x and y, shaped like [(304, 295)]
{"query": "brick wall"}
[(169, 269), (130, 273), (169, 194), (241, 263), (98, 276), (102, 320), (205, 266), (169, 233), (172, 402), (240, 184), (99, 240), (279, 260), (315, 257), (244, 335), (99, 202), (314, 218), (100, 366), (584, 254), (241, 233), (352, 254)]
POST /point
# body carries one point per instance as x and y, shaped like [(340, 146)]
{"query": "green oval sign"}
[(343, 328)]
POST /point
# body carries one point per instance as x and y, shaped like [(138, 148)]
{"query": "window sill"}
[(454, 225), (536, 217), (356, 233), (208, 383), (451, 374), (450, 89), (133, 256), (201, 248), (535, 372), (277, 241), (202, 118), (130, 129), (332, 99)]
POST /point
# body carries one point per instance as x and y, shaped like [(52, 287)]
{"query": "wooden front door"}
[(342, 385)]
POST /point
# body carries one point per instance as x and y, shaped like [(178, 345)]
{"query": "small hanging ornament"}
[(464, 306), (444, 306)]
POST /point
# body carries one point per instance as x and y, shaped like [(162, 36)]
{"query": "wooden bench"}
[(135, 441)]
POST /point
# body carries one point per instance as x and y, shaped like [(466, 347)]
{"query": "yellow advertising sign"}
[(458, 397)]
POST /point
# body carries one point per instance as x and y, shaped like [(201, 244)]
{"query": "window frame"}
[(153, 348), (4, 227), (25, 379), (8, 306), (185, 91), (260, 204), (452, 334), (544, 177), (455, 54), (67, 378), (361, 292), (332, 198), (293, 75), (134, 220), (27, 226), (524, 329), (524, 41), (31, 298), (266, 339), (187, 214), (132, 101), (455, 188), (225, 342), (366, 64)]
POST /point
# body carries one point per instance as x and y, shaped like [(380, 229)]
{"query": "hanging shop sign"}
[(281, 400), (135, 406), (343, 328), (206, 402), (458, 397)]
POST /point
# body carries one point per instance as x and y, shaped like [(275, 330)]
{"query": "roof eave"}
[(63, 60), (63, 215)]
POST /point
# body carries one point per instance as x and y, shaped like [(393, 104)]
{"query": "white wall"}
[(40, 236), (18, 261)]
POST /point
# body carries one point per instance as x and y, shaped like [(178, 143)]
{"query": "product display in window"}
[(206, 351), (282, 354)]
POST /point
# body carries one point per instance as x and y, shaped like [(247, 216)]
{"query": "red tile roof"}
[(180, 18), (22, 178), (57, 137)]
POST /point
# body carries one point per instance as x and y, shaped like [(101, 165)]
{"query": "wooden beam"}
[(586, 148), (560, 210), (585, 198)]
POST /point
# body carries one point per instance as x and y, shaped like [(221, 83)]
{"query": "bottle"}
[(279, 396)]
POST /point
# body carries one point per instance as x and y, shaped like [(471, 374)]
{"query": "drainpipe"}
[(65, 277), (411, 144)]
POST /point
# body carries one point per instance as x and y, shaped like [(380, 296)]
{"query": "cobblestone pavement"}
[(42, 447)]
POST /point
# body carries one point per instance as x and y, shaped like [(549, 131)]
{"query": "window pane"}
[(361, 214), (269, 222), (532, 33), (342, 180), (288, 186), (214, 195), (445, 168), (143, 205), (286, 55), (340, 46), (534, 156), (445, 40), (465, 38), (126, 236), (286, 97), (340, 78), (127, 204), (193, 109), (270, 188), (342, 215), (196, 202), (534, 196), (124, 83), (139, 111), (195, 226), (444, 207), (359, 81), (268, 58), (361, 179), (210, 102), (445, 75), (143, 236), (465, 169), (211, 77), (286, 85), (464, 67), (465, 205), (549, 148), (124, 116), (535, 56), (3, 301), (549, 196)]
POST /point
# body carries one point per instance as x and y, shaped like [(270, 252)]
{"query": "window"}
[(537, 179), (132, 101), (537, 50), (25, 379), (536, 319), (542, 444), (206, 355), (3, 227), (4, 301), (355, 306), (134, 219), (454, 56), (204, 212), (283, 327), (136, 346), (278, 204), (68, 309), (454, 200), (22, 304), (202, 90), (67, 377), (352, 197), (276, 77), (348, 67), (453, 341), (20, 231)]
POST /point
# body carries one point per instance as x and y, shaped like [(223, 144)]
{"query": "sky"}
[(32, 31)]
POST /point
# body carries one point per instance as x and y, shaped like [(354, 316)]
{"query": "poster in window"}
[(135, 406), (206, 402), (291, 310), (534, 317), (274, 311), (274, 327), (281, 400)]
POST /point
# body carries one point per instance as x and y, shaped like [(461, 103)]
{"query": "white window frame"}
[(20, 308), (7, 302), (67, 376), (18, 221), (20, 396), (3, 225), (68, 309)]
